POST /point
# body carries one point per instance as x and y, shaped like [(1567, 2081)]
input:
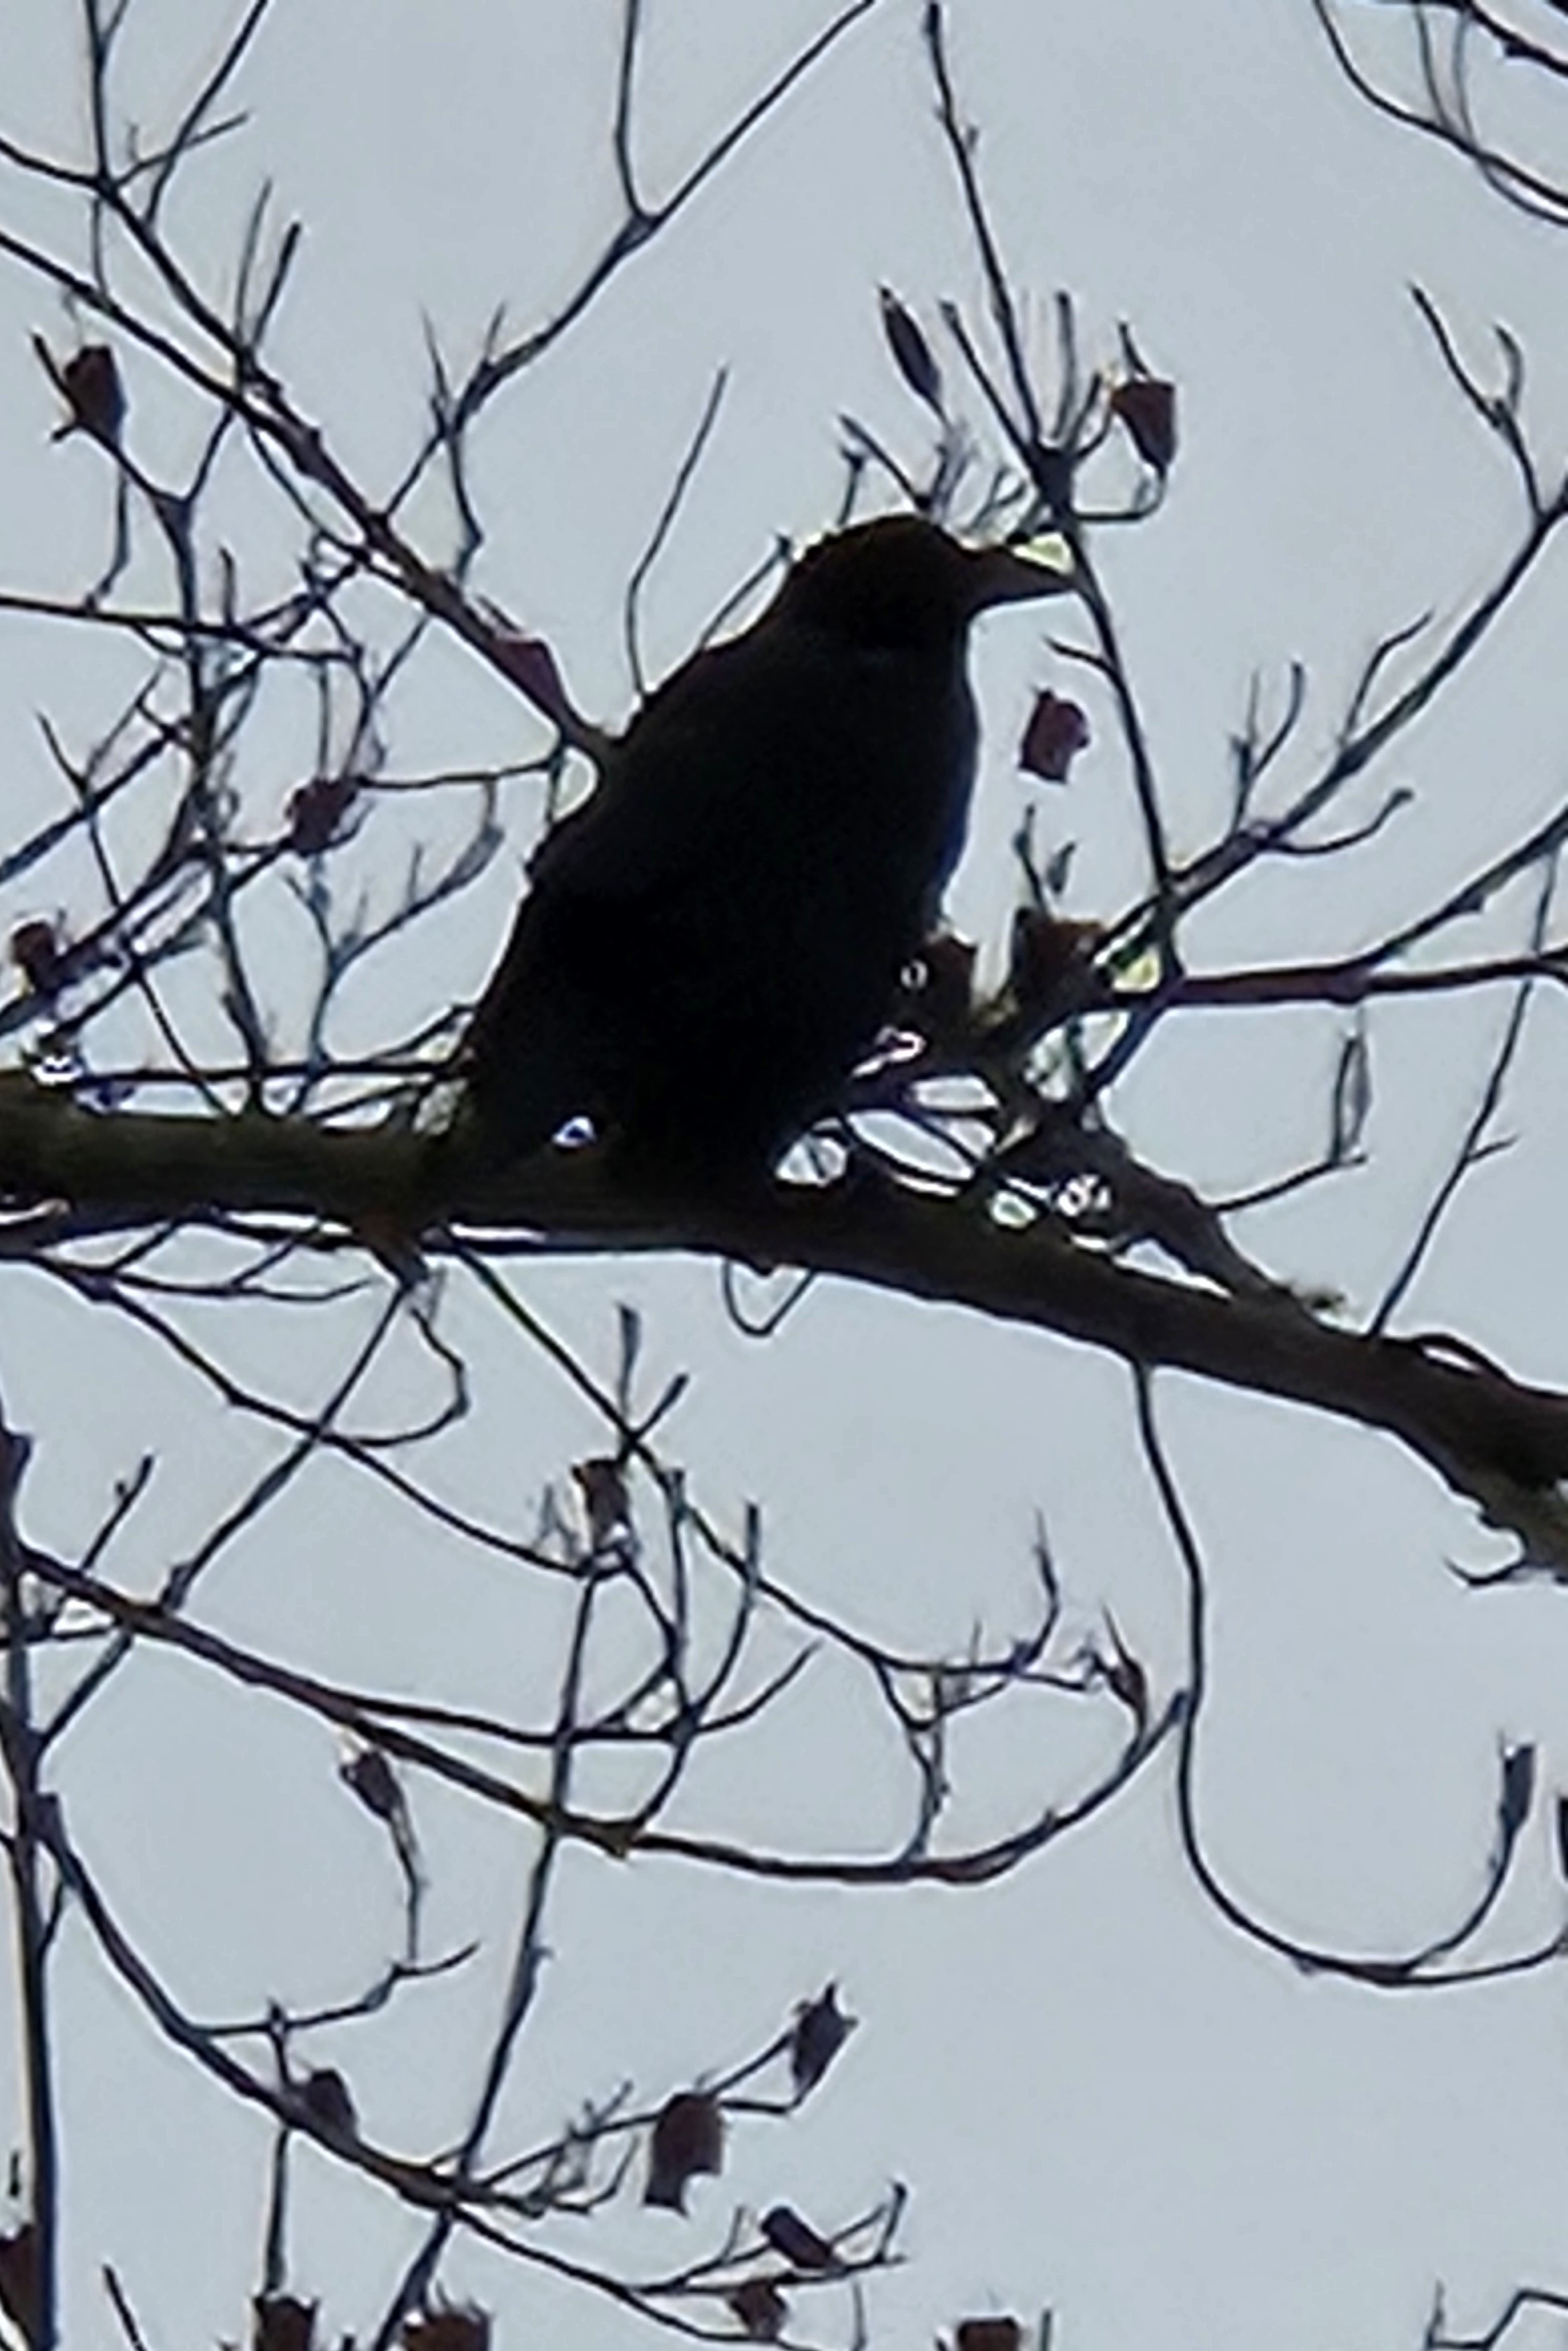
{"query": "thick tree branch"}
[(1501, 1444)]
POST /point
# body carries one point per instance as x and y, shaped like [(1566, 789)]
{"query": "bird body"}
[(710, 943)]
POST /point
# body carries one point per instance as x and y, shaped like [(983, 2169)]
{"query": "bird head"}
[(903, 582)]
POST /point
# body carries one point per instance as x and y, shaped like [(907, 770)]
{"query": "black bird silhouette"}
[(710, 943)]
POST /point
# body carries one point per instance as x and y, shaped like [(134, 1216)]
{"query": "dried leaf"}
[(1146, 406), (761, 2309), (19, 2279), (797, 2240), (1056, 732), (316, 810), (989, 2334), (37, 950), (454, 2327), (688, 2138), (821, 2029), (281, 2324), (602, 1484), (94, 394)]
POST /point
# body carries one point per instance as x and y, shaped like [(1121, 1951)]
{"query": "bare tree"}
[(171, 1144)]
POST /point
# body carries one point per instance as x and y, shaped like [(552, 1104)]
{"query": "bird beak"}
[(1012, 575)]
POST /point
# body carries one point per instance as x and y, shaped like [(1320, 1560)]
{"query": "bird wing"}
[(779, 741), (763, 853)]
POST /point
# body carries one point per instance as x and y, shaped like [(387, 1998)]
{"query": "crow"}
[(710, 943)]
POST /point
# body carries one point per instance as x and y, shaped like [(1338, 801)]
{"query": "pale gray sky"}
[(1100, 2098)]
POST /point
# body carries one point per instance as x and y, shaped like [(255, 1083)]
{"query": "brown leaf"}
[(761, 2309), (94, 394), (456, 2327), (989, 2334), (912, 354), (602, 1485), (688, 2138), (1056, 732), (38, 954), (19, 2279), (821, 2029), (316, 812), (281, 2324), (1146, 406)]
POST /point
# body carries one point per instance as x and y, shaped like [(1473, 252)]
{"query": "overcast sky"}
[(1101, 2099)]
